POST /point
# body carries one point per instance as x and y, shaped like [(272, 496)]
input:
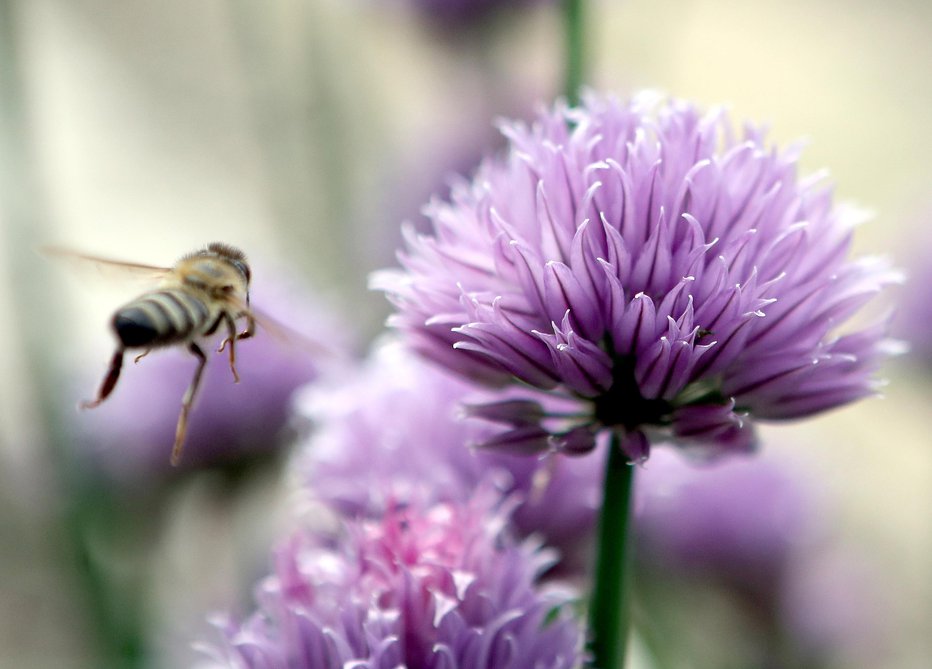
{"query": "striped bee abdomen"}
[(160, 318)]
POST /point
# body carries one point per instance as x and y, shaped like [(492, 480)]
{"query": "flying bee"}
[(204, 292)]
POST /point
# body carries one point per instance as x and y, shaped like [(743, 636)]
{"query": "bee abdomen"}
[(159, 318)]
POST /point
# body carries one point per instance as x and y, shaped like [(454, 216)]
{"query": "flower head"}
[(394, 433), (674, 277), (436, 587)]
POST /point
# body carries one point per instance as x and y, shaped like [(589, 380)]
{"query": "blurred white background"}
[(304, 131)]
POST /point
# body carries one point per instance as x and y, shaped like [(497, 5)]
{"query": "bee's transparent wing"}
[(140, 270), (287, 334)]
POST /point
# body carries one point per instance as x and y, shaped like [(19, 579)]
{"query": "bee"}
[(205, 291)]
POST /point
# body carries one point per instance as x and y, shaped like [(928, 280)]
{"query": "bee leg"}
[(141, 356), (109, 382), (186, 404), (250, 328), (231, 340), (245, 334)]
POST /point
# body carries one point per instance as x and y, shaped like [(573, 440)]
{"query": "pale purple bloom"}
[(740, 519), (755, 531), (441, 587), (674, 276), (394, 432), (454, 14), (837, 606), (913, 323)]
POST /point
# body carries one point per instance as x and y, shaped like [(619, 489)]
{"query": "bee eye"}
[(242, 267)]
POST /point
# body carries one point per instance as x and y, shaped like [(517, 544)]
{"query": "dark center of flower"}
[(624, 405)]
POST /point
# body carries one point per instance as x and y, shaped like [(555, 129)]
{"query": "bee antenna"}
[(227, 251)]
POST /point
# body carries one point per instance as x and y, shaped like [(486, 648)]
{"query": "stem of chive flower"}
[(575, 57), (609, 605)]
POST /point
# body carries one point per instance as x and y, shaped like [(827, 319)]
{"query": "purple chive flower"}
[(130, 435), (673, 276), (441, 587), (394, 432)]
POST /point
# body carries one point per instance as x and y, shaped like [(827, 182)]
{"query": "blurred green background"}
[(304, 131)]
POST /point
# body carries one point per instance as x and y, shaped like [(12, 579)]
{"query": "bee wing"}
[(139, 269), (285, 333)]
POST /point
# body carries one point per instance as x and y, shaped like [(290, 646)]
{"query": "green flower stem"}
[(609, 608), (611, 592), (574, 27)]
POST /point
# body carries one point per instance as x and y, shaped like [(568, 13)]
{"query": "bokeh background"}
[(304, 131)]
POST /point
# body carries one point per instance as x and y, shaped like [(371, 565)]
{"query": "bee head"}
[(232, 255)]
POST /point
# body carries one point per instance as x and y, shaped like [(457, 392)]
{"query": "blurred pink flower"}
[(435, 587), (394, 432)]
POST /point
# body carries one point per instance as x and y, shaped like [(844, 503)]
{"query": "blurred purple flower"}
[(458, 14), (441, 587), (394, 433), (639, 257), (740, 519), (913, 323), (755, 530), (836, 606), (130, 435)]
